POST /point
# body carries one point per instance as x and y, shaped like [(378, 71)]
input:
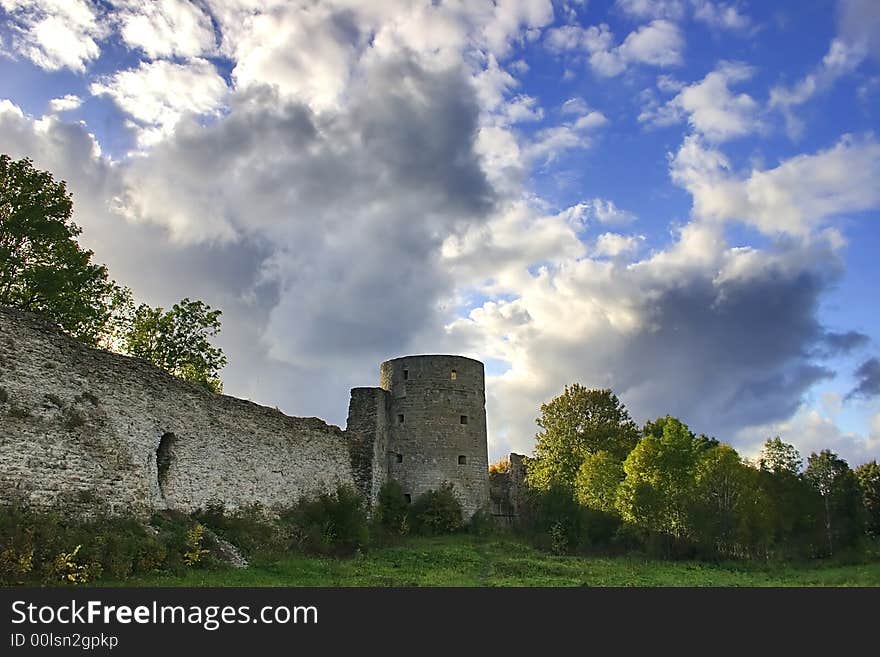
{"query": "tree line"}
[(44, 270), (597, 479)]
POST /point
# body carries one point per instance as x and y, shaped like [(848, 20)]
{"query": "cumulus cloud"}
[(658, 43), (156, 95), (794, 198), (614, 244), (709, 106), (65, 103), (165, 28), (55, 34)]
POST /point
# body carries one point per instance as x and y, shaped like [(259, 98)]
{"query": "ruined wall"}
[(79, 425), (437, 432), (367, 428)]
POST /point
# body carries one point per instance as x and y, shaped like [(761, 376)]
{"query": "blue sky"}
[(677, 199)]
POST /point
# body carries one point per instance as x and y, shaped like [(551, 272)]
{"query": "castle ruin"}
[(82, 428)]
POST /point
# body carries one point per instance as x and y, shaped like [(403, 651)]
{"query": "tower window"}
[(405, 375), (408, 498), (463, 419), (398, 458), (462, 459), (453, 375), (400, 418)]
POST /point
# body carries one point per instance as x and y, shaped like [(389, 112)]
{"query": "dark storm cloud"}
[(729, 357), (868, 375)]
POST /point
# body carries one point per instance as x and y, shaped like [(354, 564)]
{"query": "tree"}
[(868, 475), (660, 479), (597, 481), (778, 456), (42, 267), (841, 497), (724, 500), (577, 423), (177, 340)]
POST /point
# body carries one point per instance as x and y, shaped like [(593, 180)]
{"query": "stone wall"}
[(437, 431), (367, 427), (80, 426)]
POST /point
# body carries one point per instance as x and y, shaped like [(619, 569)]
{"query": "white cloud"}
[(615, 244), (65, 103), (720, 15), (795, 198), (672, 9), (165, 28), (55, 34), (709, 106), (597, 209), (658, 43), (158, 94)]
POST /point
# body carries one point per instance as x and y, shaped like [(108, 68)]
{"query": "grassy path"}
[(473, 561)]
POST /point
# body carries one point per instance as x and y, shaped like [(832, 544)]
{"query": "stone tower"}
[(437, 426)]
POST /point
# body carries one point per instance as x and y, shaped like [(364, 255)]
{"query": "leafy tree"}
[(778, 456), (841, 497), (577, 423), (177, 340), (660, 481), (868, 475), (724, 502), (598, 480), (42, 267)]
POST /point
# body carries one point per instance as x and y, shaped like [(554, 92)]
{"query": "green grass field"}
[(472, 561)]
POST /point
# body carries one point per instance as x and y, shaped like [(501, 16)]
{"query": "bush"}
[(331, 523), (436, 512), (45, 547), (251, 529), (390, 514)]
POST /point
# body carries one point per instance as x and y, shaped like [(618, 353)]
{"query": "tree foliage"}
[(42, 267), (177, 340), (778, 457), (576, 424), (868, 475), (833, 479)]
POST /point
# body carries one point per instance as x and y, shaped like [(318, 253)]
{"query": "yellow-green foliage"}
[(67, 568), (195, 552)]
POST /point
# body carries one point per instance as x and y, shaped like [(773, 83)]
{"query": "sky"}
[(675, 199)]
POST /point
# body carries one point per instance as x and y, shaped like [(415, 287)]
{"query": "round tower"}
[(437, 421)]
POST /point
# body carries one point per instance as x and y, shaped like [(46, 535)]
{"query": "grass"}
[(464, 560)]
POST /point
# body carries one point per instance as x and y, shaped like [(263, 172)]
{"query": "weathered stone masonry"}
[(80, 426)]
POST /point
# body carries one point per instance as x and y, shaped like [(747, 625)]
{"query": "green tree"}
[(660, 480), (724, 501), (177, 340), (832, 477), (778, 456), (597, 481), (868, 475), (577, 423), (42, 267)]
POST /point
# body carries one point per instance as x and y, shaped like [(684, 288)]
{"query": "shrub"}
[(389, 516), (4, 396), (436, 512), (251, 529), (195, 552), (331, 523), (482, 524)]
